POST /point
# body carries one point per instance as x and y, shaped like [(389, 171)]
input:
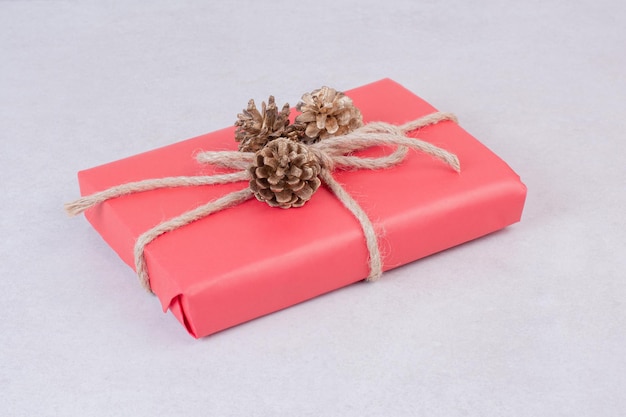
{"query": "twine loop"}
[(331, 154)]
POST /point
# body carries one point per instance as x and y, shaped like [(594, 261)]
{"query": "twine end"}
[(76, 207), (455, 164)]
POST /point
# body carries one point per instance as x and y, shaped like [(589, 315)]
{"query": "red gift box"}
[(251, 259)]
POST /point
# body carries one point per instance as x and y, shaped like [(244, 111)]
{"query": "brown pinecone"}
[(327, 112), (255, 129), (284, 174)]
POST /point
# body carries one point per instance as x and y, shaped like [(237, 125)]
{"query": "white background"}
[(529, 321)]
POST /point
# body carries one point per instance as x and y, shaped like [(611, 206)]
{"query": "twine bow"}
[(331, 154)]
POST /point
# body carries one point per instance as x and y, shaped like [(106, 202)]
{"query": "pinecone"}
[(255, 129), (284, 174), (327, 112)]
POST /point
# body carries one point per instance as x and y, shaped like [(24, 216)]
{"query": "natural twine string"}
[(332, 153)]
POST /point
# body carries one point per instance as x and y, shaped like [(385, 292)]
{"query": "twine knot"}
[(285, 173)]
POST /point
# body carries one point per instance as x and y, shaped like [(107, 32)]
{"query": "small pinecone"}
[(327, 112), (255, 129), (284, 174)]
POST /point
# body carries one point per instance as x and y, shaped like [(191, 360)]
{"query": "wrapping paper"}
[(251, 260)]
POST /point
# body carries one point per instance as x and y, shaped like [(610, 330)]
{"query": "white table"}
[(529, 321)]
